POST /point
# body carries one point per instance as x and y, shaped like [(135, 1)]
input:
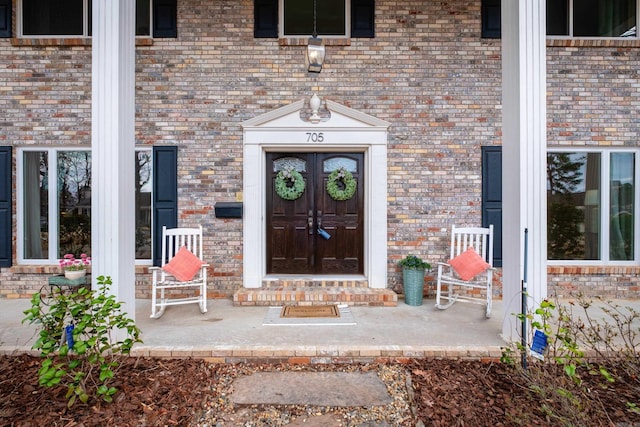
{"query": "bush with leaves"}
[(83, 337), (580, 345)]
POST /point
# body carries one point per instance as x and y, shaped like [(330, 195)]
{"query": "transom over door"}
[(315, 234)]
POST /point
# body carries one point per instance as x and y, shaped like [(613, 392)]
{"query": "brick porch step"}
[(273, 295)]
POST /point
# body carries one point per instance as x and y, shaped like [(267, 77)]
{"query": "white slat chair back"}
[(448, 282), (175, 238), (164, 285), (480, 238)]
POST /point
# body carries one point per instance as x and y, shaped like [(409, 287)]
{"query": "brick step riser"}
[(278, 284), (315, 296)]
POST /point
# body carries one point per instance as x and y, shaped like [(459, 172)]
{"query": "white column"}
[(113, 147), (523, 155)]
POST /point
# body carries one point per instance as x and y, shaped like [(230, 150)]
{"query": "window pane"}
[(331, 19), (557, 17), (573, 203), (622, 212), (298, 17), (604, 18), (144, 183), (74, 202), (36, 205), (143, 18), (52, 17)]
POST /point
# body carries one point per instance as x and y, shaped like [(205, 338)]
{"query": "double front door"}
[(313, 232)]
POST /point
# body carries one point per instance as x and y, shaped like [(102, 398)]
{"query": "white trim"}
[(571, 25), (605, 181), (52, 202), (113, 147), (347, 23), (53, 210), (347, 130), (524, 150), (85, 25)]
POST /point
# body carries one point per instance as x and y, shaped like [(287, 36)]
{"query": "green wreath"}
[(289, 184), (341, 185)]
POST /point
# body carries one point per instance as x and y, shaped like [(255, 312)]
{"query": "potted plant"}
[(74, 268), (413, 269)]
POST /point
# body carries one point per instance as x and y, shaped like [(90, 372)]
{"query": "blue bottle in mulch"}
[(69, 331)]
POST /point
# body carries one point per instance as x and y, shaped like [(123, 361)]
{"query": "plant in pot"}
[(413, 270), (74, 268)]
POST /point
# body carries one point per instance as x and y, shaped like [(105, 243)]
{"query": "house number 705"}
[(315, 137)]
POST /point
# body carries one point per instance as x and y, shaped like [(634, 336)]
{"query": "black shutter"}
[(5, 206), (165, 19), (491, 19), (5, 18), (265, 14), (363, 18), (492, 197), (165, 195)]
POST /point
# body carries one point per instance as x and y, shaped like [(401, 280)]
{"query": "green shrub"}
[(581, 344), (83, 337)]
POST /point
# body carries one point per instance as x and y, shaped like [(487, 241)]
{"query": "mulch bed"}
[(184, 392)]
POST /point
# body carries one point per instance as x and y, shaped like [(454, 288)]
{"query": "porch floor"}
[(229, 334)]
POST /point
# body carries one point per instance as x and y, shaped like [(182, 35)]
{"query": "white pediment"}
[(288, 117)]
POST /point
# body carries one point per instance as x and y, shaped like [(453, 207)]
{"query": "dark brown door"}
[(315, 234)]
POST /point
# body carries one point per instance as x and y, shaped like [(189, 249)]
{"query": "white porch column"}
[(113, 147), (523, 155)]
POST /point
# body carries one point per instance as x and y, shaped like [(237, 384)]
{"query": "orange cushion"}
[(184, 265), (469, 264)]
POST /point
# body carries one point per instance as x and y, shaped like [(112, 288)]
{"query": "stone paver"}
[(311, 388)]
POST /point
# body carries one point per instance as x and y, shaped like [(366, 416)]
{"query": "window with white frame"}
[(592, 18), (591, 206), (70, 18), (297, 18), (54, 204), (575, 18)]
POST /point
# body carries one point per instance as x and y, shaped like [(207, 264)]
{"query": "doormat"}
[(274, 318), (310, 311)]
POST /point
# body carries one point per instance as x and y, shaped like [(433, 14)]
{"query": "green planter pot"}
[(413, 281)]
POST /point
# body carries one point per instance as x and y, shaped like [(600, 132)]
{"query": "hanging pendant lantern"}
[(315, 53), (315, 48)]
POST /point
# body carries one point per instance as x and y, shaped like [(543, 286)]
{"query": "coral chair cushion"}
[(184, 265), (469, 264)]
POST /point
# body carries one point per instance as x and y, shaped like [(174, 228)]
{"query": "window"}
[(331, 17), (294, 18), (591, 18), (54, 204), (591, 206), (5, 18), (575, 18), (72, 18)]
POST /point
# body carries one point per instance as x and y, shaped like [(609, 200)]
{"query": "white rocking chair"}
[(182, 268), (481, 240)]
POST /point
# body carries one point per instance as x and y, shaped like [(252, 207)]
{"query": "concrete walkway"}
[(227, 333)]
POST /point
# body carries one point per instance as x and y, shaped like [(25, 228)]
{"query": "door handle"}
[(310, 222), (319, 219)]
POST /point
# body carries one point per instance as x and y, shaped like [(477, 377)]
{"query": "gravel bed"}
[(221, 411)]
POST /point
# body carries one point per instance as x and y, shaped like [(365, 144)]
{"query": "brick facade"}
[(427, 71)]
